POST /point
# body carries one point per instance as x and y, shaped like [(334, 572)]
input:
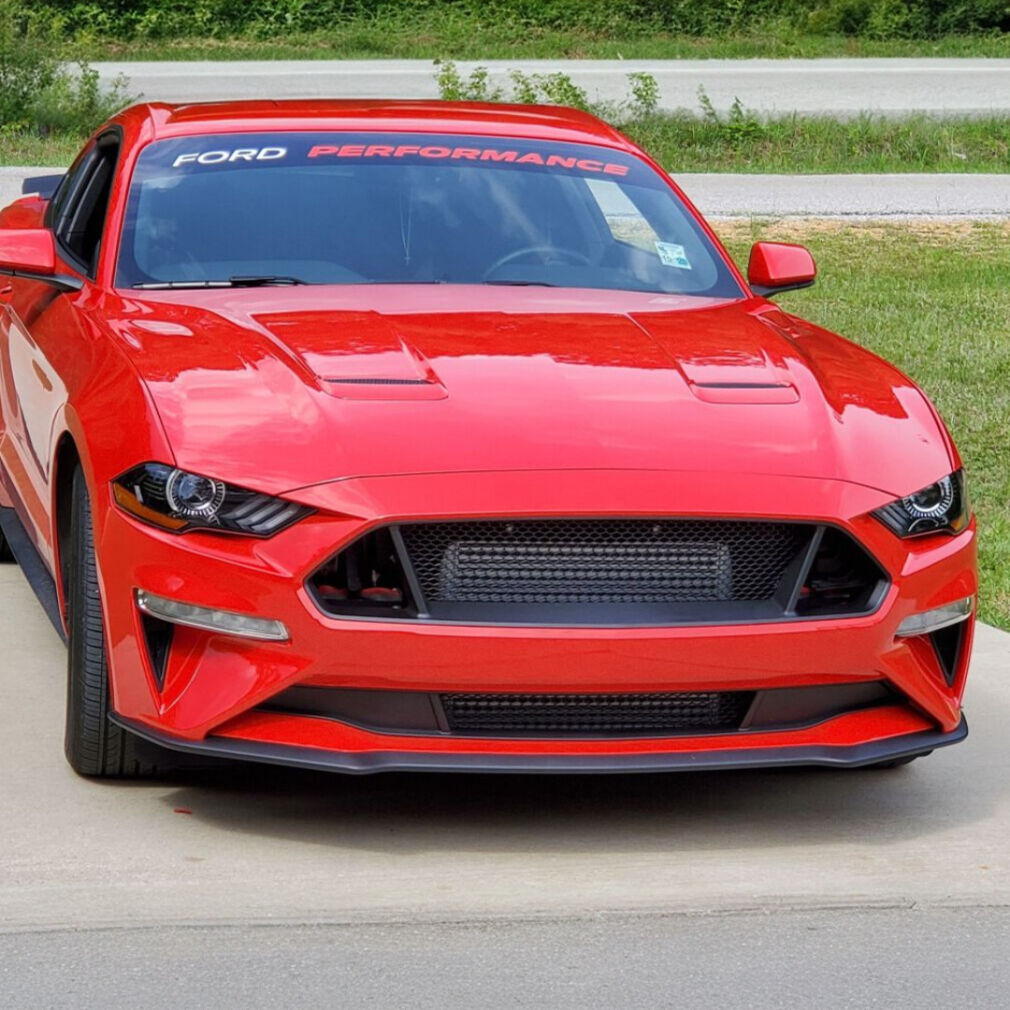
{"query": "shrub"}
[(738, 127), (263, 18), (39, 92), (75, 102), (453, 87), (29, 62), (547, 89)]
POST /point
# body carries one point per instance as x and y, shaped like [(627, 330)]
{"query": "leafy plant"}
[(453, 87), (39, 92), (546, 89), (739, 126), (899, 19), (644, 94), (75, 102), (28, 60)]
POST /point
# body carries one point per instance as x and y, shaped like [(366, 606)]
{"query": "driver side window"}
[(82, 203)]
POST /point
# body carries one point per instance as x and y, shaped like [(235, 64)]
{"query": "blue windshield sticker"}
[(673, 255)]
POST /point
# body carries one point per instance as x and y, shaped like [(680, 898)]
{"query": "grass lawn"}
[(744, 143), (26, 149), (813, 144), (934, 298), (453, 34)]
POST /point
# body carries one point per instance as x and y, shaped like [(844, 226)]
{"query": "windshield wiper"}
[(263, 280), (250, 281), (522, 284)]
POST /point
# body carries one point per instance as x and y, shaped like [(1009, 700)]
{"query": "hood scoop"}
[(733, 359), (379, 366), (745, 392), (745, 374)]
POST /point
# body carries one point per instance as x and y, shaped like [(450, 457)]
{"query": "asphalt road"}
[(731, 195), (842, 87), (930, 959)]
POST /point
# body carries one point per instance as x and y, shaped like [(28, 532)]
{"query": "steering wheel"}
[(543, 251)]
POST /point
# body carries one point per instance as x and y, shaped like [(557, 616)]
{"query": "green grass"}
[(813, 144), (934, 299), (460, 37), (791, 144), (28, 149)]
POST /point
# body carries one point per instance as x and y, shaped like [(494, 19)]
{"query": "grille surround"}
[(609, 715), (691, 572)]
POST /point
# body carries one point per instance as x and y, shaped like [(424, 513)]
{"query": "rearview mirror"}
[(779, 266), (31, 253)]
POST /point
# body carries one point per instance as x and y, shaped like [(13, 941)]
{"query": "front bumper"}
[(699, 758), (210, 695)]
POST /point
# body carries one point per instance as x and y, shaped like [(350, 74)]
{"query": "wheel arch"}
[(66, 459)]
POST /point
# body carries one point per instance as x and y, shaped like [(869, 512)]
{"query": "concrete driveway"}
[(247, 844)]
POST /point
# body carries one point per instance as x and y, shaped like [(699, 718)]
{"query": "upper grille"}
[(612, 561), (607, 714)]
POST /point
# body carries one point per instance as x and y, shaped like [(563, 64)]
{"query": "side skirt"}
[(33, 567)]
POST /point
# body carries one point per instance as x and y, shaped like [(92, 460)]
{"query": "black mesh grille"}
[(601, 560), (606, 714)]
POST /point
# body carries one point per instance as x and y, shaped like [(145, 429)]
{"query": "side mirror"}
[(31, 253), (779, 266), (42, 185)]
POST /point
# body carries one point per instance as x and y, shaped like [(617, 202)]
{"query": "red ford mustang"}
[(372, 436)]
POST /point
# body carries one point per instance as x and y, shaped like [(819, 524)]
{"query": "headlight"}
[(177, 500), (939, 508)]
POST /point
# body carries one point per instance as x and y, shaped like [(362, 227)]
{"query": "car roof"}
[(542, 122)]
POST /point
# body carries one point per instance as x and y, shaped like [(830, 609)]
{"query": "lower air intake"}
[(603, 714)]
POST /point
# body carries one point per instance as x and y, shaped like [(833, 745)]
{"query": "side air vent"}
[(366, 579), (949, 644), (843, 578), (158, 638)]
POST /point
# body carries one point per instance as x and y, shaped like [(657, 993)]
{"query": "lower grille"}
[(605, 714), (569, 715)]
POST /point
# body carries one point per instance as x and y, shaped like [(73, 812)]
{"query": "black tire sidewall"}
[(87, 673), (94, 745), (6, 554)]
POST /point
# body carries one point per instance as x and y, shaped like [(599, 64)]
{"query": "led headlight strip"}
[(941, 507), (178, 500)]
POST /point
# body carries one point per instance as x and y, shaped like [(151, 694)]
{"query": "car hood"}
[(284, 388)]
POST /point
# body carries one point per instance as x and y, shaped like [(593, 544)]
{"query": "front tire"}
[(94, 746), (6, 554)]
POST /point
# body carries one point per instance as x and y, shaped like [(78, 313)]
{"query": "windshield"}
[(346, 208)]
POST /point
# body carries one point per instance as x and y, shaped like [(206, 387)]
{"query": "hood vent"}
[(381, 382)]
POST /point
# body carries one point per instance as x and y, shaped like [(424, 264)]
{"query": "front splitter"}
[(366, 763)]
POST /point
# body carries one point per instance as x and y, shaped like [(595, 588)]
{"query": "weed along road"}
[(840, 87)]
